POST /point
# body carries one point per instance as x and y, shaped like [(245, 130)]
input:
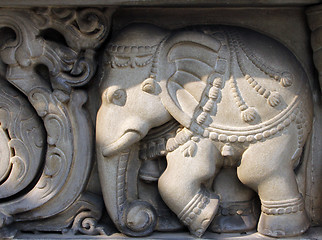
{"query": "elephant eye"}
[(117, 97), (148, 85)]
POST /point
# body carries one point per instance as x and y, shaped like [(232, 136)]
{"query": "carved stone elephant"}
[(242, 100)]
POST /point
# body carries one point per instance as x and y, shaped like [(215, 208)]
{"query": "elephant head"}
[(141, 92), (231, 90), (126, 93)]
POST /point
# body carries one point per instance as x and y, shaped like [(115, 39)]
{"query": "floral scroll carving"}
[(47, 159), (22, 138)]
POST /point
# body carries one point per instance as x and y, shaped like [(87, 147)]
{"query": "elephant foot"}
[(283, 218), (199, 212), (235, 217)]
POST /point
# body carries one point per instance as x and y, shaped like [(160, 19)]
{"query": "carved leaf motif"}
[(249, 114), (20, 162), (55, 129), (274, 99), (21, 142), (171, 145), (189, 149), (40, 103), (286, 79), (86, 28), (54, 165), (18, 168)]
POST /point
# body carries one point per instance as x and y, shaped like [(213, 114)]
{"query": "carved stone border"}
[(194, 3), (47, 71)]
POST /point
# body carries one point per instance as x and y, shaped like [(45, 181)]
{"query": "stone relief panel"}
[(242, 110), (200, 128)]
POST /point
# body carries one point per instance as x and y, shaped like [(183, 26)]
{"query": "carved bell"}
[(227, 150)]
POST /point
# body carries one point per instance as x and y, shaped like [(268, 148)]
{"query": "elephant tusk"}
[(128, 138)]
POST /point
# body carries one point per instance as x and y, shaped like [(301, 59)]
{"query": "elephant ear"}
[(186, 59)]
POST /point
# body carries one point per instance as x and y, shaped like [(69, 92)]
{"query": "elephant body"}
[(242, 101)]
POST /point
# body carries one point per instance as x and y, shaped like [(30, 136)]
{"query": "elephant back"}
[(232, 84)]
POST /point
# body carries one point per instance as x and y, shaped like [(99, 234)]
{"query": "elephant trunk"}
[(131, 216), (117, 153)]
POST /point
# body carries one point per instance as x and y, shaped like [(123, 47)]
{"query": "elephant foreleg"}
[(267, 167), (184, 186)]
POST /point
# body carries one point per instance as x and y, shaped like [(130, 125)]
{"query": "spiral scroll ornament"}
[(85, 223), (45, 133)]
